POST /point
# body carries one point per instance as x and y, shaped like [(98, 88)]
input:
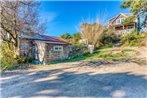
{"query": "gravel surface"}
[(112, 80)]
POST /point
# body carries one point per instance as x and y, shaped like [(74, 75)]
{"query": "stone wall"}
[(56, 55), (24, 47)]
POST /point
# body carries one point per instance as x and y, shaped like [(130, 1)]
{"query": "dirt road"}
[(122, 80)]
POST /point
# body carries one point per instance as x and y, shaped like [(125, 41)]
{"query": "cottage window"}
[(58, 48)]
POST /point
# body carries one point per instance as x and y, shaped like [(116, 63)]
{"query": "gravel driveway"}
[(123, 80)]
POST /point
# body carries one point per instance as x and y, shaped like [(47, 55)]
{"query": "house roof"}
[(114, 18), (47, 38)]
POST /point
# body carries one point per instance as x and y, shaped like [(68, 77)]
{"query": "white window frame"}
[(118, 21), (57, 48), (122, 19)]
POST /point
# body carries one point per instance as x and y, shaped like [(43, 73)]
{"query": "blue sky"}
[(66, 16)]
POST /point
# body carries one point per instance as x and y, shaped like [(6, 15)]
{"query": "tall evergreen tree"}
[(139, 10)]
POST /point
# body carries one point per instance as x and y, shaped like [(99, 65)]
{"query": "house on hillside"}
[(116, 24), (44, 48)]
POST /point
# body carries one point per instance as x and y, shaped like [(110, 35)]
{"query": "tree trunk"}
[(17, 50), (138, 24)]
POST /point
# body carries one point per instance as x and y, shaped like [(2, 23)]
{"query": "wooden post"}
[(123, 27), (114, 28), (135, 27)]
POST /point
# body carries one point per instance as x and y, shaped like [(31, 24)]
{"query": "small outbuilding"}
[(44, 48)]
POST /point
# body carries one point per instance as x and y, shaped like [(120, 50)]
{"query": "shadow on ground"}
[(59, 83)]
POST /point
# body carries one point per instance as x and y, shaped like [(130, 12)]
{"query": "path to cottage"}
[(77, 79)]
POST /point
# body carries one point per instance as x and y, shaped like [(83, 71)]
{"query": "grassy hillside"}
[(116, 53)]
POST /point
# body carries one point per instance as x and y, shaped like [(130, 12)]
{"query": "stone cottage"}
[(44, 48)]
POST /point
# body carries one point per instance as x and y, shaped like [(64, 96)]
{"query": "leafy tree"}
[(66, 36), (18, 18), (73, 39), (76, 37), (129, 19), (139, 9)]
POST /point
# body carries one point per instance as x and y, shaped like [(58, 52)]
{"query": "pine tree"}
[(139, 10)]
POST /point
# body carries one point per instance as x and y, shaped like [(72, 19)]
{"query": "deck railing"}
[(126, 31)]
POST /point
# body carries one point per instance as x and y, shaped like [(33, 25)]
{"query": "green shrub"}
[(108, 38), (133, 39), (21, 59), (29, 57), (7, 57)]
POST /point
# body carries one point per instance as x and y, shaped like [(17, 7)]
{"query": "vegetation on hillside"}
[(109, 38), (133, 39), (73, 39), (66, 36), (105, 54)]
